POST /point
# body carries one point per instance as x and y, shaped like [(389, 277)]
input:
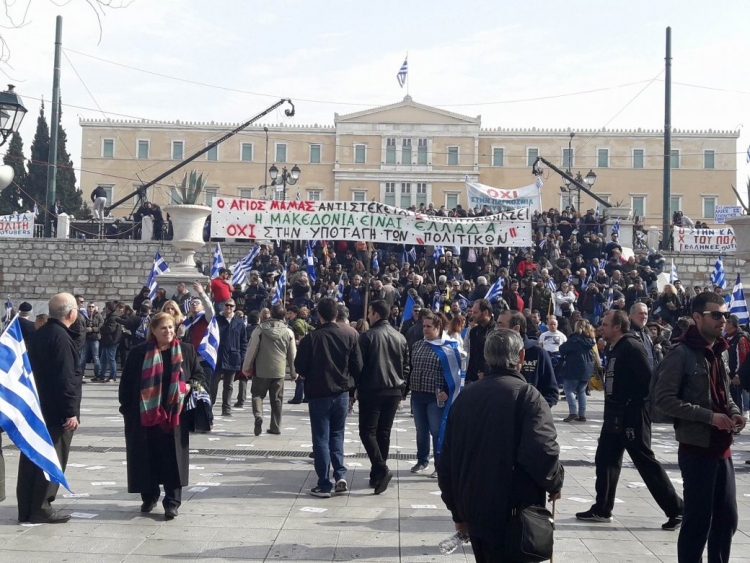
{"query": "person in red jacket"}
[(221, 290)]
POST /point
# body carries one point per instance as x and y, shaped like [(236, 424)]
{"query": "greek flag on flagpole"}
[(280, 290), (340, 289), (413, 254), (539, 182), (375, 265), (738, 305), (616, 227), (401, 76), (8, 312), (238, 274), (551, 285), (242, 269), (673, 273), (437, 253), (218, 261), (159, 267), (209, 346), (310, 263), (20, 412), (717, 276), (496, 290), (610, 299)]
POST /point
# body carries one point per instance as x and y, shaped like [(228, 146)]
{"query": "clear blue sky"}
[(464, 56)]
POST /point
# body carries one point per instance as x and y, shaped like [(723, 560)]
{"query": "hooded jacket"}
[(272, 348), (538, 371), (578, 352)]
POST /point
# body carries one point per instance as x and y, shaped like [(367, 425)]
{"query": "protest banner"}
[(497, 199), (20, 225), (724, 212), (362, 220), (704, 240)]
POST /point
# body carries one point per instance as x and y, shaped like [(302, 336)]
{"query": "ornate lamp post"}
[(286, 177)]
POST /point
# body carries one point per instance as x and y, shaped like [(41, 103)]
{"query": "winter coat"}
[(538, 371), (232, 343), (385, 358), (111, 330), (95, 323), (578, 353), (144, 446), (271, 348)]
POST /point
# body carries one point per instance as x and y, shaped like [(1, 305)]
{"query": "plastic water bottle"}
[(451, 543)]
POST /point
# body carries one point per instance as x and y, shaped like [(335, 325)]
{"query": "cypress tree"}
[(10, 195), (65, 189), (36, 182)]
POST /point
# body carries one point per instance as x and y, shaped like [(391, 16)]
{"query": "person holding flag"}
[(54, 357), (157, 377), (196, 325)]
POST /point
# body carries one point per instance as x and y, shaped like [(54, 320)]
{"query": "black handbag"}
[(529, 533)]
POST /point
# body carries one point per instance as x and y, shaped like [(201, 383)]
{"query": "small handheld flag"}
[(375, 265), (218, 261), (209, 346), (717, 276), (160, 266), (738, 305), (673, 273), (280, 291), (496, 290), (310, 263)]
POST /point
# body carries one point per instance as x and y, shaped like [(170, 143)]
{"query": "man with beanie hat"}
[(27, 325)]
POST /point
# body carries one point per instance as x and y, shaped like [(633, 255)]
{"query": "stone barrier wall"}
[(33, 270)]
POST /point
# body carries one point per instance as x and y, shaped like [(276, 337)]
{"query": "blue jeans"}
[(575, 390), (327, 418), (427, 419), (299, 390), (91, 351), (108, 360)]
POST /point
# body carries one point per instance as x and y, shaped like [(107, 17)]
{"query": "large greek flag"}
[(244, 266), (279, 292), (159, 267), (738, 305), (450, 360), (495, 292), (209, 346), (20, 412), (218, 261), (717, 276)]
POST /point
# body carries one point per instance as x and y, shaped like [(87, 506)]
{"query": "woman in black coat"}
[(152, 393)]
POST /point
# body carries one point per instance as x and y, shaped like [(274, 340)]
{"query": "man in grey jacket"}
[(692, 385), (271, 350)]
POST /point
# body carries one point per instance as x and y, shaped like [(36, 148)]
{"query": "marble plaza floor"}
[(249, 500)]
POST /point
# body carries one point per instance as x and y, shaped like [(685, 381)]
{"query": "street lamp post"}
[(12, 112), (286, 178)]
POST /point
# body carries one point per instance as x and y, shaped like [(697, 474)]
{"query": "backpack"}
[(689, 366)]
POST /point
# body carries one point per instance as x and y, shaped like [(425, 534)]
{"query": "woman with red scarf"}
[(157, 377)]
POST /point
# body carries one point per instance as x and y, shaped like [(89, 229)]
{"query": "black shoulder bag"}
[(529, 534)]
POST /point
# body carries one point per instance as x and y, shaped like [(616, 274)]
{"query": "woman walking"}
[(578, 354)]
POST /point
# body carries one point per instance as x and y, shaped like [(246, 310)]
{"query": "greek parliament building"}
[(408, 153)]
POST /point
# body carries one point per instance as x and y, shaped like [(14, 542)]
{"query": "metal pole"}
[(54, 128), (265, 176), (666, 219)]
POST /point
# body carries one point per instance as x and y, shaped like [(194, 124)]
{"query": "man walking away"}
[(481, 472), (111, 334), (380, 386), (693, 387), (327, 361), (53, 354), (272, 349), (627, 426)]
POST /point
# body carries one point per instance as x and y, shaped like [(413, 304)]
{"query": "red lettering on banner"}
[(220, 203), (513, 232), (241, 231), (246, 204), (281, 205)]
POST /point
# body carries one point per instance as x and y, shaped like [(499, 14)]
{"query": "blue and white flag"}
[(404, 257), (450, 361), (8, 313), (279, 292), (610, 299), (238, 274), (242, 269), (159, 266), (436, 301), (551, 285), (463, 303), (413, 254), (717, 276), (748, 154), (673, 273), (496, 290), (375, 265), (209, 346), (310, 263), (616, 227), (20, 411), (408, 309), (401, 76), (340, 290), (437, 253), (190, 321), (738, 305), (298, 197), (218, 261)]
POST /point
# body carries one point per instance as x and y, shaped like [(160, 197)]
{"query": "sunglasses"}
[(717, 315)]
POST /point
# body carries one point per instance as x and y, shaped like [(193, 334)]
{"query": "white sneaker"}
[(341, 486)]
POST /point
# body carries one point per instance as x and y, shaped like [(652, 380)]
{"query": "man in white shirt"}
[(553, 338)]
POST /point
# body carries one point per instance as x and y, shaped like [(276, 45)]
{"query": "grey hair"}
[(502, 349), (637, 305), (61, 305), (481, 280)]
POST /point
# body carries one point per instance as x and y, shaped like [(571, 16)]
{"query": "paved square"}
[(249, 500)]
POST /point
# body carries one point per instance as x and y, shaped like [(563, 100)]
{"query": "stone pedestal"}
[(63, 226), (626, 225), (741, 227), (147, 228)]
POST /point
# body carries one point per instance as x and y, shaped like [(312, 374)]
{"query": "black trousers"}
[(635, 438), (172, 496), (487, 552), (710, 508), (35, 494), (376, 414)]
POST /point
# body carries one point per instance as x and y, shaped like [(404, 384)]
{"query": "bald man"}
[(54, 358)]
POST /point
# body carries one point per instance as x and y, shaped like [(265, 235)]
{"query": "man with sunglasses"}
[(693, 387)]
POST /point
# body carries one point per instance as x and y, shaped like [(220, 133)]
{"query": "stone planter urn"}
[(187, 225), (741, 227)]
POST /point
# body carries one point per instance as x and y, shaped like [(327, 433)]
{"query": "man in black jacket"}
[(627, 426), (54, 359), (335, 356), (385, 358), (481, 310), (231, 352), (476, 467), (111, 334)]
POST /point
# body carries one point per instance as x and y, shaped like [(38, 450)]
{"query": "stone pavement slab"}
[(248, 500)]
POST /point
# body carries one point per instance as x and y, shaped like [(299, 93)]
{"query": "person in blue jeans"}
[(435, 378), (110, 333), (328, 360), (578, 354), (92, 324)]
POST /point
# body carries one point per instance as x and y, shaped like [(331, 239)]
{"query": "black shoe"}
[(373, 483), (419, 467), (54, 518), (382, 485), (672, 524), (239, 405), (591, 516), (311, 455), (148, 505), (275, 432), (258, 426), (305, 400), (293, 402), (226, 413), (170, 513)]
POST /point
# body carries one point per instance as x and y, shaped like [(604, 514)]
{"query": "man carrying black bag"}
[(488, 474)]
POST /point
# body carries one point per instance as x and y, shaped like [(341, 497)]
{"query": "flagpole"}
[(407, 74)]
